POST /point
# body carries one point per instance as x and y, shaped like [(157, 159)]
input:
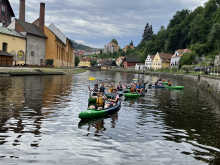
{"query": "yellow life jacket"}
[(111, 89), (99, 101)]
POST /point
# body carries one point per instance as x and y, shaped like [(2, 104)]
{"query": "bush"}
[(151, 69), (174, 69), (187, 68), (187, 59)]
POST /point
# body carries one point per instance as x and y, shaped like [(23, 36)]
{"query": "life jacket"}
[(99, 101), (102, 89), (169, 83), (119, 88), (139, 87), (95, 89), (113, 96), (132, 90), (111, 89), (135, 86)]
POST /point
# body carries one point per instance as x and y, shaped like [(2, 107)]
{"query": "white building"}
[(111, 47), (148, 61), (177, 55), (140, 66)]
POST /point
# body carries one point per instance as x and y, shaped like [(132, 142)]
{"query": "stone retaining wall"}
[(211, 84)]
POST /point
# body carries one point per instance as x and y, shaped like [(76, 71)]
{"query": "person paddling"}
[(95, 89), (143, 84), (111, 88), (100, 101), (114, 99), (120, 87), (102, 87), (132, 89), (169, 82), (139, 88)]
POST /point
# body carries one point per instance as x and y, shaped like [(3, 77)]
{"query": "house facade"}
[(161, 60), (86, 61), (108, 64), (13, 42), (131, 61), (176, 57), (111, 47), (59, 49), (140, 66), (6, 59), (119, 61), (148, 61), (6, 13), (80, 53), (126, 47)]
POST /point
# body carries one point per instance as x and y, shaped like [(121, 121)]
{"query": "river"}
[(39, 123)]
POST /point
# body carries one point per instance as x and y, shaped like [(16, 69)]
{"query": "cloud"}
[(96, 22)]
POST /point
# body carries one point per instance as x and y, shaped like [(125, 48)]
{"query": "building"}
[(140, 66), (6, 13), (161, 60), (13, 42), (111, 47), (85, 61), (126, 47), (119, 61), (59, 49), (131, 61), (88, 52), (80, 53), (177, 55), (36, 39), (102, 61), (217, 60), (6, 59), (108, 64), (148, 61)]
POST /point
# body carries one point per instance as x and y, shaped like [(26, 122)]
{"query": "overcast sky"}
[(96, 22)]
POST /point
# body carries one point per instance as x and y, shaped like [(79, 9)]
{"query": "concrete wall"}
[(38, 46)]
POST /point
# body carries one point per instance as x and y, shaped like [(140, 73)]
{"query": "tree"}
[(76, 61), (93, 63), (187, 59), (101, 52), (215, 35), (114, 41), (148, 32), (131, 44)]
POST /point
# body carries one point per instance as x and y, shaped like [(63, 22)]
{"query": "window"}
[(32, 53), (4, 46), (3, 8), (41, 61)]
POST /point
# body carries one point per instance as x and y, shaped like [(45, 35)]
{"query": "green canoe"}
[(91, 100), (127, 91), (90, 113), (174, 87), (132, 95), (165, 83)]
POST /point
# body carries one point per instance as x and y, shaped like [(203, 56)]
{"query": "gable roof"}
[(165, 57), (108, 63), (11, 32), (57, 33), (181, 52), (120, 58), (3, 53), (128, 46), (31, 28), (134, 58)]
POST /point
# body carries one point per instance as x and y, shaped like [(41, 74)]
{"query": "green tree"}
[(148, 32), (101, 52), (93, 63), (187, 59), (76, 61), (114, 41), (215, 35), (131, 44)]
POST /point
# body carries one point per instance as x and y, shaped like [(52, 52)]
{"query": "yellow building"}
[(85, 62), (161, 60), (14, 43), (126, 47), (58, 53)]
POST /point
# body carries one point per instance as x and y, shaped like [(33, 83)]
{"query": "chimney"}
[(22, 10), (42, 16)]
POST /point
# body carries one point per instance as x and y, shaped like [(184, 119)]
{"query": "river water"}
[(39, 123)]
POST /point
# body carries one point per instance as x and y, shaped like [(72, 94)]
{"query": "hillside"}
[(80, 46)]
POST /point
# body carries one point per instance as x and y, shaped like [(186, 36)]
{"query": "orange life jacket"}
[(132, 90), (99, 101), (169, 83)]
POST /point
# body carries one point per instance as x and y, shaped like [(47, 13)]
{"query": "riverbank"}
[(21, 71)]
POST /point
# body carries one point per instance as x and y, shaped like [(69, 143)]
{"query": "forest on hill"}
[(197, 30), (80, 46)]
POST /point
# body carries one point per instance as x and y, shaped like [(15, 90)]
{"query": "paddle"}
[(135, 79), (92, 79)]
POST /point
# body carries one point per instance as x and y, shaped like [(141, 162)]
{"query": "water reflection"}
[(39, 123)]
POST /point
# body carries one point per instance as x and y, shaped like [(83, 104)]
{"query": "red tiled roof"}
[(128, 46), (165, 57), (181, 51), (122, 58), (152, 56)]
